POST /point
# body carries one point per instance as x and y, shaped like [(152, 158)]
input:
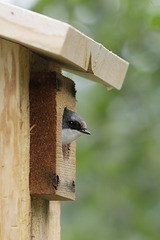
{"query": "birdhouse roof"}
[(62, 43)]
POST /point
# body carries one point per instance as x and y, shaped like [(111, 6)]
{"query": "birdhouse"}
[(35, 167)]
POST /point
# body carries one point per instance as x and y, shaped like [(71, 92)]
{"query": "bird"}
[(73, 126)]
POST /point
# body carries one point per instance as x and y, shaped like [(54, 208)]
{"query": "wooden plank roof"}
[(62, 43)]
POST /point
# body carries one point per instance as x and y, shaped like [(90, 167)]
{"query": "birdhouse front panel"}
[(52, 166)]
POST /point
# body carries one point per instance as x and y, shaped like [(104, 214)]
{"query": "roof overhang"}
[(62, 43)]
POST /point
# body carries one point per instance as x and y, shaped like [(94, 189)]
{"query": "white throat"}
[(69, 135)]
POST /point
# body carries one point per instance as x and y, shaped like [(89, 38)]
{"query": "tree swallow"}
[(73, 126)]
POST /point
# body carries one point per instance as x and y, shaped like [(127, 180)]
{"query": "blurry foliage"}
[(118, 166)]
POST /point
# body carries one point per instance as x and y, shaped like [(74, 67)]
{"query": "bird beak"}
[(85, 131)]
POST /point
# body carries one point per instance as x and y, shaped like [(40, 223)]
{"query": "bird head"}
[(73, 126)]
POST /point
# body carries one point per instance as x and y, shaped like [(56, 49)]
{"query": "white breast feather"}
[(69, 135)]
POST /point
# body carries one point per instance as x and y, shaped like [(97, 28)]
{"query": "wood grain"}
[(52, 169), (45, 214), (45, 220), (21, 217), (15, 217), (43, 133), (61, 42)]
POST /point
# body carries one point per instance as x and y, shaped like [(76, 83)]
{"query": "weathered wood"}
[(52, 169), (66, 156), (63, 43), (44, 211), (45, 219), (15, 217), (53, 221)]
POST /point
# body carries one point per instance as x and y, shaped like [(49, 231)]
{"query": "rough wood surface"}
[(52, 169), (15, 216), (43, 133), (61, 42), (66, 156), (45, 219), (45, 214), (21, 217)]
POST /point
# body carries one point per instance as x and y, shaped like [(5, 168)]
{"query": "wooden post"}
[(22, 217), (45, 219), (15, 217)]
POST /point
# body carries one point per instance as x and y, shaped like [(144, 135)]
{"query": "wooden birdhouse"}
[(35, 168)]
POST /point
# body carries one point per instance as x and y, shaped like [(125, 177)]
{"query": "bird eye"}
[(74, 125), (71, 123)]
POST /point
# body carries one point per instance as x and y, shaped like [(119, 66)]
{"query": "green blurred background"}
[(118, 166)]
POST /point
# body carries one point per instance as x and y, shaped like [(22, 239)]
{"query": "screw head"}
[(55, 181)]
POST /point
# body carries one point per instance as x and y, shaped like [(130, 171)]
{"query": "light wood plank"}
[(15, 218), (45, 220), (53, 221), (66, 155), (61, 42)]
